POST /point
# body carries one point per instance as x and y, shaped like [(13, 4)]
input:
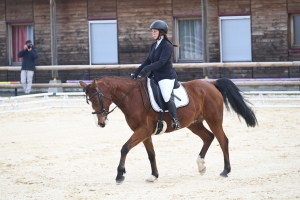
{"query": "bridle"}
[(101, 96)]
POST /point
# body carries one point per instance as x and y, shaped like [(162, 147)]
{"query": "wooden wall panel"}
[(269, 30), (42, 31), (294, 57), (269, 36), (134, 20), (187, 7), (293, 5), (72, 32), (19, 10), (269, 26), (234, 7), (271, 72), (99, 9), (2, 35)]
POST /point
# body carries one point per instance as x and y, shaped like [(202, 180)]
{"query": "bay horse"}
[(206, 101)]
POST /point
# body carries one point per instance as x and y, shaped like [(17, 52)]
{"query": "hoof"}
[(201, 166), (151, 179), (224, 174), (226, 171), (202, 172), (120, 180)]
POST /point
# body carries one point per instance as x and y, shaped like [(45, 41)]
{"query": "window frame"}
[(221, 18), (176, 39), (292, 34), (99, 21), (9, 41)]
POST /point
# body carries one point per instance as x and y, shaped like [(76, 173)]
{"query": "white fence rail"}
[(283, 99), (288, 99), (42, 101)]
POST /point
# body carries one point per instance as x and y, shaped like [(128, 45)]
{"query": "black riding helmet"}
[(160, 25)]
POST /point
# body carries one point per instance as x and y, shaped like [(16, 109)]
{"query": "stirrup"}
[(176, 125)]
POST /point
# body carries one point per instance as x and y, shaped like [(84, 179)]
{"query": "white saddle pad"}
[(179, 92)]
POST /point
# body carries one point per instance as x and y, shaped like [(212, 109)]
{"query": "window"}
[(103, 42), (295, 31), (188, 34), (18, 35), (235, 39)]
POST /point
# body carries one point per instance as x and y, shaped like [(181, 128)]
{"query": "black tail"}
[(237, 102)]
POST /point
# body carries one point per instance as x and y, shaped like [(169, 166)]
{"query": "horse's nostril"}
[(102, 125)]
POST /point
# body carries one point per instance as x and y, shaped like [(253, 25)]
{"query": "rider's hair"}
[(162, 33)]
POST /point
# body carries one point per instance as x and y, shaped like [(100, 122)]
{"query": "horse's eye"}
[(96, 101)]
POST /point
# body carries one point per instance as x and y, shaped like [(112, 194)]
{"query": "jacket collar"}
[(160, 44)]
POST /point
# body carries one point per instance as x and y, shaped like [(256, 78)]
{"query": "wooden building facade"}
[(272, 34)]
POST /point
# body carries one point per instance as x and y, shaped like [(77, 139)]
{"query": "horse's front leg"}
[(135, 139), (151, 155)]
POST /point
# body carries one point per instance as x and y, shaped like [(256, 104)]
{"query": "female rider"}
[(160, 65)]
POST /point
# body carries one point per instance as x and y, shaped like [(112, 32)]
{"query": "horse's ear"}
[(94, 84), (82, 84)]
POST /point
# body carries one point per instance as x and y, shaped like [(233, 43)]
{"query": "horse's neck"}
[(120, 89), (126, 95)]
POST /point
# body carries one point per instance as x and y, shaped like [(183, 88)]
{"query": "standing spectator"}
[(29, 54)]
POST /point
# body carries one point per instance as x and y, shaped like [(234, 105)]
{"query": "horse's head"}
[(100, 101)]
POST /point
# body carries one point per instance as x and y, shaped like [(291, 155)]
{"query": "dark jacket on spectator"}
[(29, 58)]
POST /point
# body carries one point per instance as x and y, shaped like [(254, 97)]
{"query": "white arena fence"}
[(42, 101), (288, 99), (280, 99)]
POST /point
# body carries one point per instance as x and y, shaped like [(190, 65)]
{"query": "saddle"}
[(158, 96), (158, 104)]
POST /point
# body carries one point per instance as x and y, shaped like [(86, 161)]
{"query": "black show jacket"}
[(159, 62)]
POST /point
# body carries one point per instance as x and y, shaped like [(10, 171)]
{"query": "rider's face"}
[(155, 33)]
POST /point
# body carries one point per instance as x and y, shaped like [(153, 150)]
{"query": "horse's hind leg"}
[(151, 155), (207, 138), (217, 129)]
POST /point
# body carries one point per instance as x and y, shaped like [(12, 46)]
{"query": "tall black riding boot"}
[(173, 113)]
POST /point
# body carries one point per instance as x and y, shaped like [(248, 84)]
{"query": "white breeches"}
[(166, 86)]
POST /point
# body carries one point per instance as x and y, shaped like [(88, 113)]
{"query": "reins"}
[(146, 95)]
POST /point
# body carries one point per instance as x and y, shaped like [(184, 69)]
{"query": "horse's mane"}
[(117, 77), (87, 88), (107, 77)]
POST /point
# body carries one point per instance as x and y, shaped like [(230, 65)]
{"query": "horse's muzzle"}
[(102, 125)]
